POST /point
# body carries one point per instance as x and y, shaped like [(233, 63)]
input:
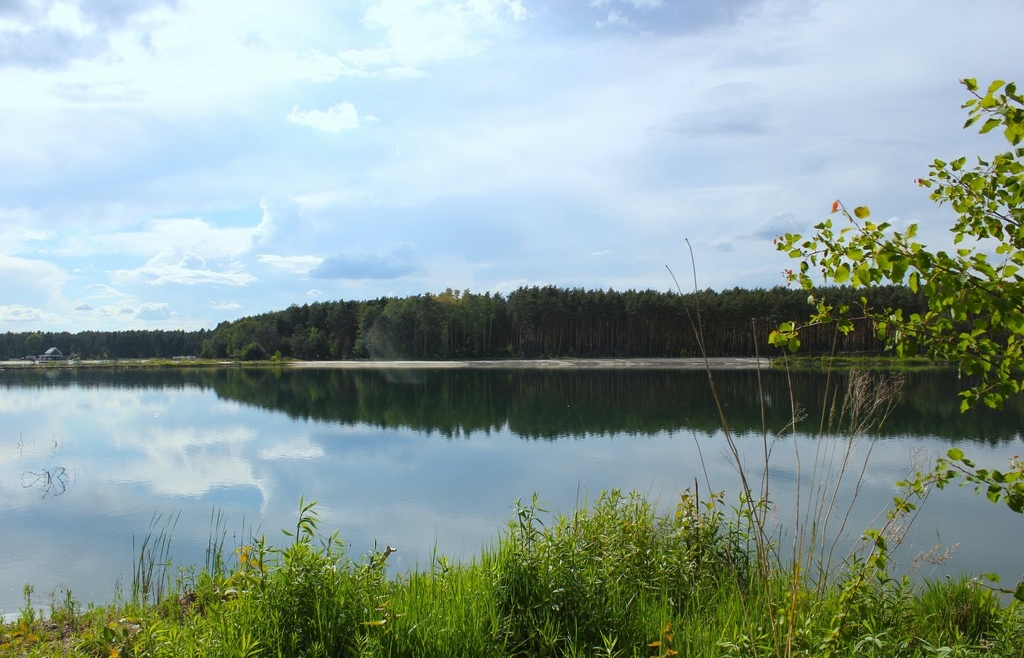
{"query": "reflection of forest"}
[(542, 404)]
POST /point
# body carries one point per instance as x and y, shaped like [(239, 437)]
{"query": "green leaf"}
[(842, 273), (989, 125), (861, 212), (956, 454), (777, 339)]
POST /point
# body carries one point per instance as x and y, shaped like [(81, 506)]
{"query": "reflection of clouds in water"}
[(418, 491), (186, 461), (159, 439), (29, 446), (298, 448), (177, 474), (15, 400)]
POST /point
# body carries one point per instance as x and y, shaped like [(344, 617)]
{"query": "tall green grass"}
[(613, 578)]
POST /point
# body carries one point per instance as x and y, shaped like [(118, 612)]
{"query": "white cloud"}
[(66, 16), (154, 311), (18, 314), (116, 311), (102, 291), (613, 18), (20, 230), (338, 118), (292, 264), (424, 31), (188, 235), (32, 278), (175, 266), (516, 10)]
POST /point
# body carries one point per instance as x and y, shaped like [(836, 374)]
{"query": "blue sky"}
[(172, 164)]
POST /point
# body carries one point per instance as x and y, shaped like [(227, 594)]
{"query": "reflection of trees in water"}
[(550, 404)]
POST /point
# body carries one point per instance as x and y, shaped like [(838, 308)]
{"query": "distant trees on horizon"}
[(531, 322)]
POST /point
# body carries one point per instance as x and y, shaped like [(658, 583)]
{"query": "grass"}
[(616, 578)]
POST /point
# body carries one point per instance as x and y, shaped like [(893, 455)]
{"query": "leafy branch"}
[(974, 292)]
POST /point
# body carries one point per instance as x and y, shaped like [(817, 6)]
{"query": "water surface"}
[(430, 461)]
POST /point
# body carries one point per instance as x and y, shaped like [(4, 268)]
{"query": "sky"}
[(172, 164)]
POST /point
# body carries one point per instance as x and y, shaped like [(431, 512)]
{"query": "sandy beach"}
[(721, 363), (717, 363)]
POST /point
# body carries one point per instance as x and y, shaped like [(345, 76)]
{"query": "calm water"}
[(428, 461)]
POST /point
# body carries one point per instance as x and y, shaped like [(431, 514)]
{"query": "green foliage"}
[(996, 485), (253, 352), (307, 598), (594, 578), (34, 344), (975, 294), (956, 612)]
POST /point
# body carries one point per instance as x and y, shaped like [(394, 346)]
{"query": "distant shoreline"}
[(714, 363)]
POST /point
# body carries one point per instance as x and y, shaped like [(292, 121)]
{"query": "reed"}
[(151, 569)]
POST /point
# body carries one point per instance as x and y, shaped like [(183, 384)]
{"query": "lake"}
[(431, 460)]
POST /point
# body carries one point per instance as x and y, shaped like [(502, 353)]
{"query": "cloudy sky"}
[(176, 163)]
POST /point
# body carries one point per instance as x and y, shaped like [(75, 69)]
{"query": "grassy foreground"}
[(617, 579)]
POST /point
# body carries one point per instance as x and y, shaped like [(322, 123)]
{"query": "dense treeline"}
[(534, 322), (539, 322), (136, 344)]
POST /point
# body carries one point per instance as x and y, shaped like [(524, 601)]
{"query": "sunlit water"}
[(431, 461)]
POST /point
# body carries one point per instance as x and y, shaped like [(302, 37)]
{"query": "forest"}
[(531, 322)]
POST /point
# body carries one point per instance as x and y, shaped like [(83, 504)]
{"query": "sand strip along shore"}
[(717, 363)]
